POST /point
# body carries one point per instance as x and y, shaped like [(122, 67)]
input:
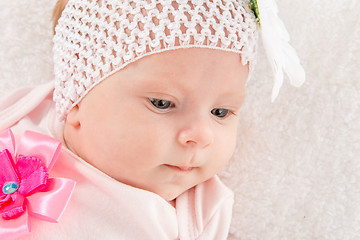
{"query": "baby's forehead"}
[(187, 71), (201, 61)]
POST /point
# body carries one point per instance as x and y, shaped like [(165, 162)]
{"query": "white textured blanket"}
[(296, 171)]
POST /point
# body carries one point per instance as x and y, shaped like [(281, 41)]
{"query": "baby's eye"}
[(220, 112), (161, 104)]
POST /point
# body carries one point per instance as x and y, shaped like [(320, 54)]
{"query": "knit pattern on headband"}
[(96, 38)]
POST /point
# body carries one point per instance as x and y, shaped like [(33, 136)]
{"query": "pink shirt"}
[(103, 208)]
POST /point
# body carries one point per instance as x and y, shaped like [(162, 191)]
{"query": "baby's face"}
[(164, 123)]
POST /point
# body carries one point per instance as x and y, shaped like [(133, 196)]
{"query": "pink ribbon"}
[(34, 195)]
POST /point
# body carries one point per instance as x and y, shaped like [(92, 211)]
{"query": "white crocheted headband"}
[(96, 38)]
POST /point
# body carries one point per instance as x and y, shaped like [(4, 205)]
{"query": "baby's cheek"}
[(232, 145), (226, 149), (141, 145)]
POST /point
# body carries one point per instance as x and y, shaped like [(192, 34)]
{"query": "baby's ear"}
[(73, 117)]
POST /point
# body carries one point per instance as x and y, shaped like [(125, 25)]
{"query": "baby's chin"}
[(170, 197), (172, 193)]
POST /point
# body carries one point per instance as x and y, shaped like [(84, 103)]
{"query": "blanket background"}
[(296, 170)]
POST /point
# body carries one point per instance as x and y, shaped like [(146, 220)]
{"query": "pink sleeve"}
[(204, 212), (219, 225), (19, 103)]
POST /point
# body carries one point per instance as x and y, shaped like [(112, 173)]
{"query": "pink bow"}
[(26, 191)]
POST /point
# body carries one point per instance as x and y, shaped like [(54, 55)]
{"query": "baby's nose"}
[(196, 131)]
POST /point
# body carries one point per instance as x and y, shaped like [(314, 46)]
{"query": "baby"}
[(147, 98)]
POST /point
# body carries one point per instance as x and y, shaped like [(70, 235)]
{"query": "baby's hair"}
[(59, 8)]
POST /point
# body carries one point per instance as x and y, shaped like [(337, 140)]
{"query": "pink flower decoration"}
[(26, 189)]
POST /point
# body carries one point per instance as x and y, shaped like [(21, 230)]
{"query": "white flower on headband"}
[(281, 55)]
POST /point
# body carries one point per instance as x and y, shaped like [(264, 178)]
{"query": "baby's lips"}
[(181, 168), (185, 168)]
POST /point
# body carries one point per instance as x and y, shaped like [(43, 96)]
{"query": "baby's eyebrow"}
[(163, 80), (158, 84)]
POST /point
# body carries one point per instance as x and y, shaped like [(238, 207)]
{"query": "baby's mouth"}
[(185, 169), (180, 168)]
